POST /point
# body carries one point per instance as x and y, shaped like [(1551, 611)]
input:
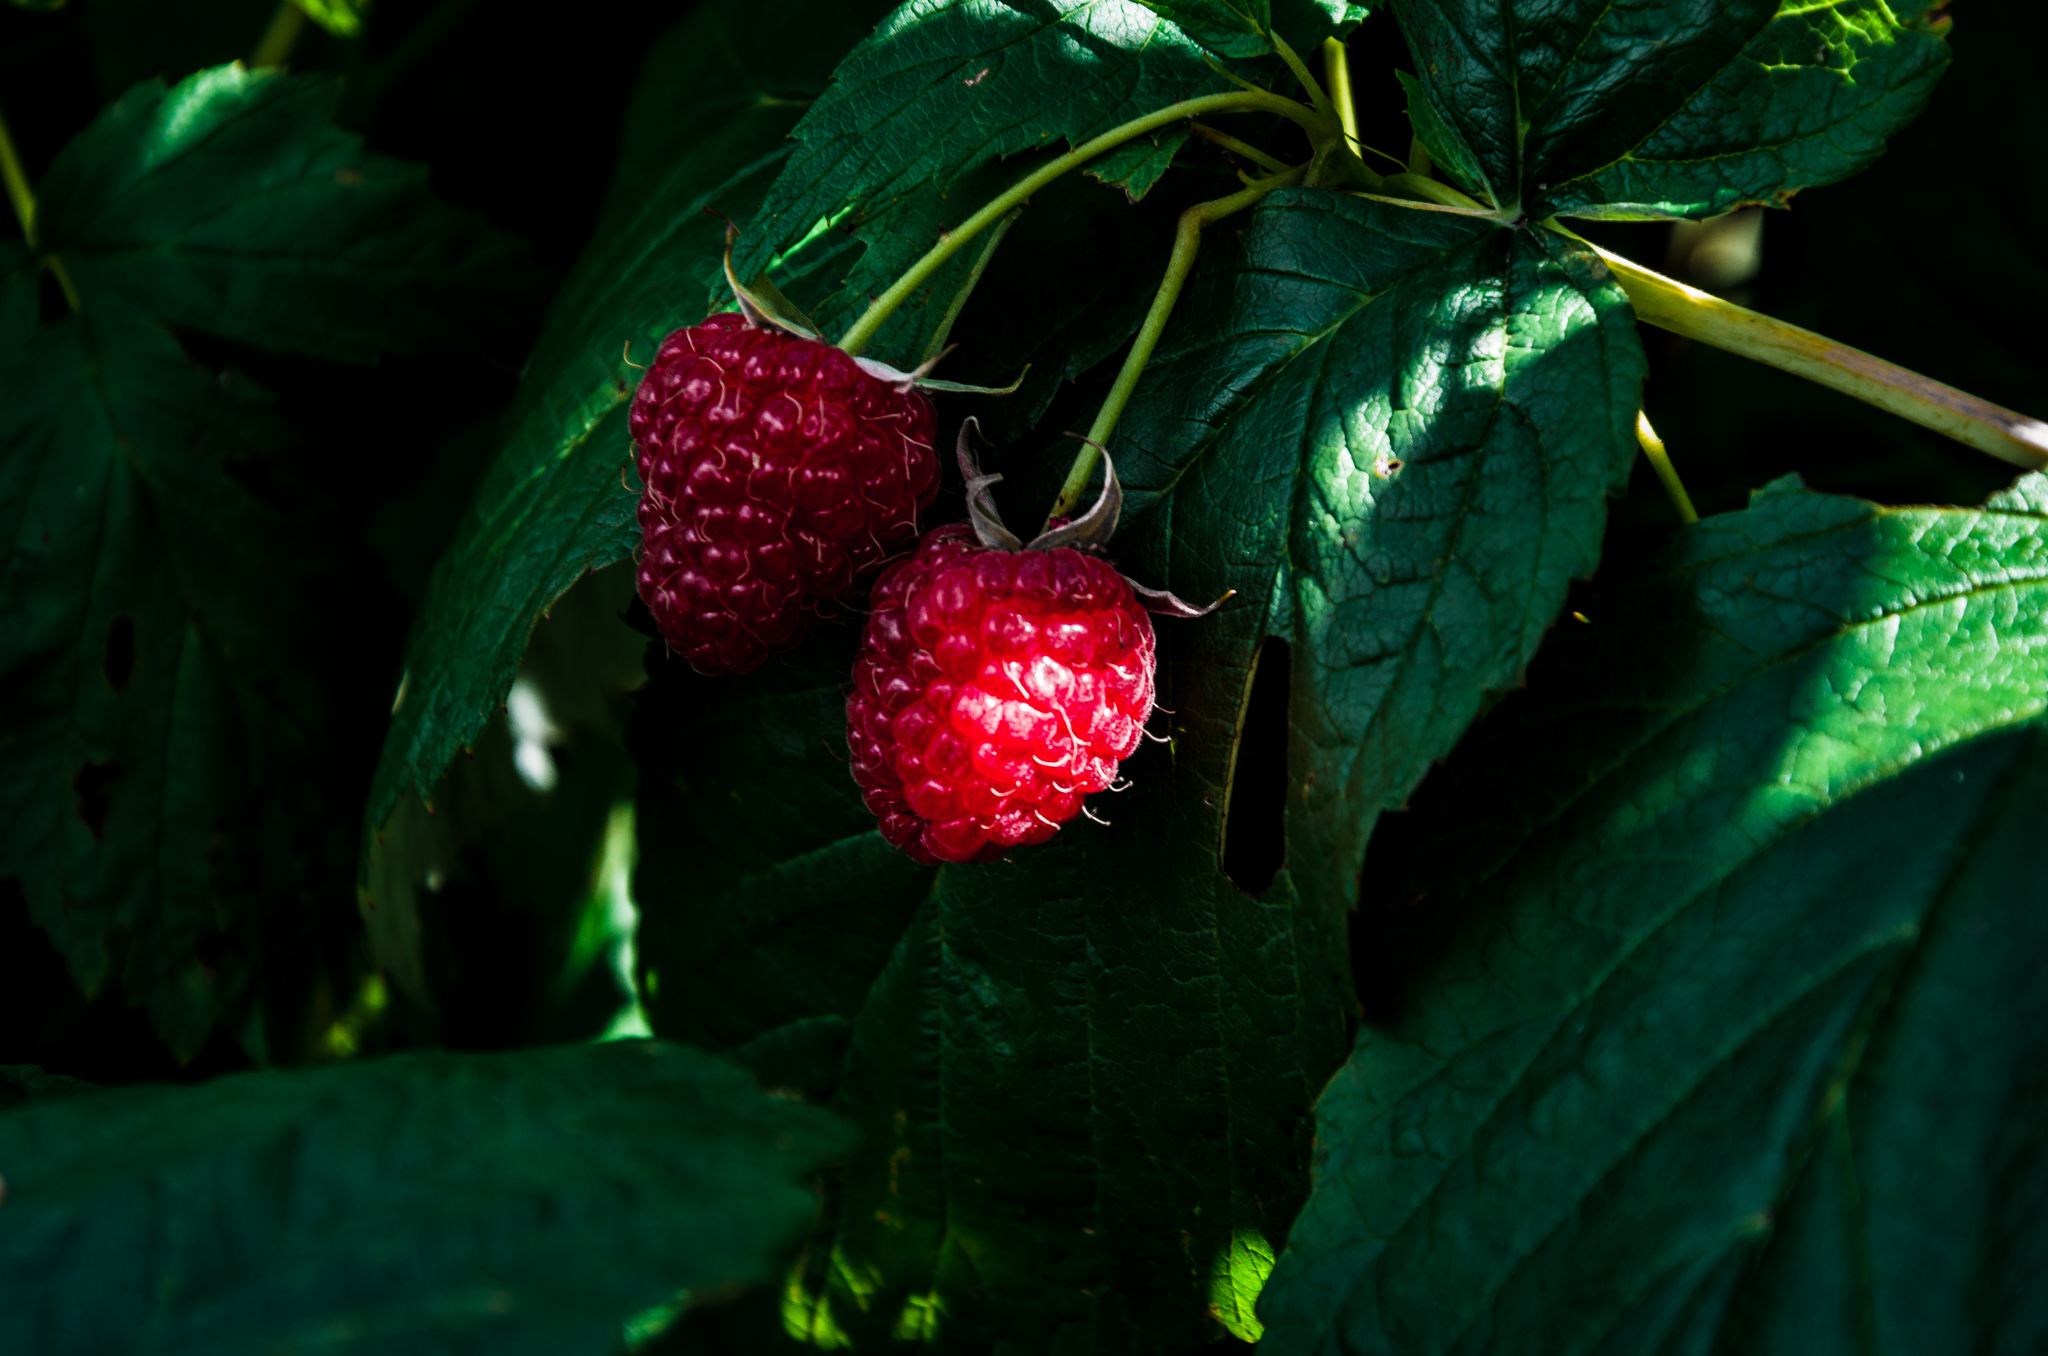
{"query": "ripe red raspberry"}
[(777, 470), (995, 689)]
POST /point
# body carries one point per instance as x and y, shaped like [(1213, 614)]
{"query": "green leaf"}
[(944, 87), (1393, 433), (1731, 1038), (153, 667), (21, 1084), (1231, 28), (1136, 165), (230, 204), (706, 130), (767, 895), (527, 1202), (1673, 108)]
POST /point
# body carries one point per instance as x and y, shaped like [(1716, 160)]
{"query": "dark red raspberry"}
[(777, 470), (994, 690)]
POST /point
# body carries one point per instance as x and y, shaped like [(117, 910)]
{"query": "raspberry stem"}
[(878, 312), (1187, 240)]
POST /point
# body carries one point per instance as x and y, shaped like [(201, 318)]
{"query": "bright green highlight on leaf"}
[(1239, 1274)]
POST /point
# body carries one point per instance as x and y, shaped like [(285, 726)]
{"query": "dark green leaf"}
[(766, 893), (1672, 108), (21, 1084), (1136, 165), (154, 668), (946, 86), (706, 131), (1232, 28), (1733, 1040), (529, 1202), (231, 204)]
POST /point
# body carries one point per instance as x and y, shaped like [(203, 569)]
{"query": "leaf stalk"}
[(1672, 305), (1660, 462), (18, 191), (863, 330), (274, 48), (1187, 241)]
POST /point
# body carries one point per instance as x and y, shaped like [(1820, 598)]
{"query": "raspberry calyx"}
[(1000, 682)]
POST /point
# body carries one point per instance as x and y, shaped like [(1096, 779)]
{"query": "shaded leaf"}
[(706, 132), (1733, 1036), (155, 668), (767, 895), (231, 204), (529, 1202), (21, 1084), (1674, 108), (1136, 165)]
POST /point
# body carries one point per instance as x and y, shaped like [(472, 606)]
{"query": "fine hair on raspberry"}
[(777, 470), (995, 689)]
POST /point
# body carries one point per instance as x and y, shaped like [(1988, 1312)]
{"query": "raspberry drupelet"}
[(777, 470), (995, 689)]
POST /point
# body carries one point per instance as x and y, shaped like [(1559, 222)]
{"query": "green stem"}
[(1337, 71), (1419, 162), (1186, 241), (1660, 461), (1272, 164), (18, 191), (884, 306), (1316, 95), (274, 48), (1671, 305), (959, 303)]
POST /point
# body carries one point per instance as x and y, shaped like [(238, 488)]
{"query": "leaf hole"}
[(91, 785), (1254, 823), (117, 662)]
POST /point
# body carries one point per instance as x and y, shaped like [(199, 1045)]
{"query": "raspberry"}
[(777, 470), (994, 690)]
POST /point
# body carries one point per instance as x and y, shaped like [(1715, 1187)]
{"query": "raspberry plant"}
[(1578, 896)]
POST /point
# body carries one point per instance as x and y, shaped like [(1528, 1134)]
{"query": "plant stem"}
[(959, 302), (18, 192), (879, 311), (1337, 71), (274, 48), (1419, 162), (1309, 83), (1670, 304), (1660, 461), (1187, 239), (1273, 164)]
